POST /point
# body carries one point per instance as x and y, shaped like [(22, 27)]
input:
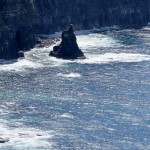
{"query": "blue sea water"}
[(101, 103)]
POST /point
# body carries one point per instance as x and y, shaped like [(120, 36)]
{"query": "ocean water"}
[(100, 103)]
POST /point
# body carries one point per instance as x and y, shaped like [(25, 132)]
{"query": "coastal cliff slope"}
[(21, 20)]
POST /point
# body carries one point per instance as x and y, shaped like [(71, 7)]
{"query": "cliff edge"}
[(21, 20)]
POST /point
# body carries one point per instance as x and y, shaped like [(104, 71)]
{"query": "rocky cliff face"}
[(16, 32), (20, 20), (54, 15)]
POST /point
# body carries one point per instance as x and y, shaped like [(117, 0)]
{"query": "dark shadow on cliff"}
[(7, 62)]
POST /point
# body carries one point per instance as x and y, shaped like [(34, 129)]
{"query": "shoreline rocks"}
[(4, 140), (21, 20), (45, 41), (68, 47)]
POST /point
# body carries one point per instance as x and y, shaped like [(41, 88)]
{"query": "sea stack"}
[(68, 48)]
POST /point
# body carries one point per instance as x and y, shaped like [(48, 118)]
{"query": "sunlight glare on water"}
[(102, 102)]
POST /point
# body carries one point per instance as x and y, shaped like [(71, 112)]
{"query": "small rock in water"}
[(39, 135), (21, 54), (4, 140)]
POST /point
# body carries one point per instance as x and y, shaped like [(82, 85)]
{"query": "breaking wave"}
[(24, 138), (70, 75)]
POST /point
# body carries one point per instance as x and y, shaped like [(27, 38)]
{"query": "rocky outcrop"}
[(20, 20), (68, 47), (4, 140), (16, 30)]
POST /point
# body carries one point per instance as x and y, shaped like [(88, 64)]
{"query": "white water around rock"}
[(101, 102), (99, 48)]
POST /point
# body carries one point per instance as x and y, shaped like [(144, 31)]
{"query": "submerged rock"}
[(21, 54), (68, 48), (43, 41), (4, 140)]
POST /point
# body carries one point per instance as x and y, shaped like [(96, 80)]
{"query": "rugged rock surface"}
[(16, 31), (68, 47), (55, 15), (20, 20)]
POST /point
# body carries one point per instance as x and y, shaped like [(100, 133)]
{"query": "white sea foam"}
[(25, 138), (97, 41), (114, 57), (102, 29), (66, 115), (37, 58), (114, 27), (19, 65), (70, 75), (101, 59)]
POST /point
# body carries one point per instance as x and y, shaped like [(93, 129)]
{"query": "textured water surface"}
[(102, 102)]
